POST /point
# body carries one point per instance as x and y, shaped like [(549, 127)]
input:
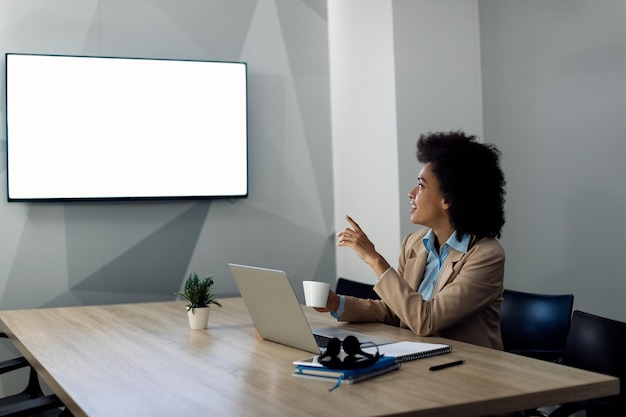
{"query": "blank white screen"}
[(91, 128)]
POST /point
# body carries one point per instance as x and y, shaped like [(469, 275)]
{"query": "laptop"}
[(277, 314)]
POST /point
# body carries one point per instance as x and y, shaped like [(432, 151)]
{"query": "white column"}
[(365, 154)]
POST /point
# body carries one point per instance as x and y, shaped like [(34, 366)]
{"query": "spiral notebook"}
[(400, 351), (408, 351)]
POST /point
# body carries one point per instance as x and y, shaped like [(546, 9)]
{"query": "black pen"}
[(445, 365)]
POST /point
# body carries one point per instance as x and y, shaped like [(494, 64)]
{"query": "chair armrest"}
[(566, 410), (13, 364), (31, 407)]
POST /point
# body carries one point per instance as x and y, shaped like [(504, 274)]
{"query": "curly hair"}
[(470, 180)]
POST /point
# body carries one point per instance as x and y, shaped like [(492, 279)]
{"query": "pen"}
[(445, 365)]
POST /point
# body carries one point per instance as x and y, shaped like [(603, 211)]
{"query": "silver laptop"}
[(277, 314)]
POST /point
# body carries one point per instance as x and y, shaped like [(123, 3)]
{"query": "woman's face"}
[(428, 207)]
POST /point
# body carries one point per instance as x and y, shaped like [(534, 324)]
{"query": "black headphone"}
[(355, 357)]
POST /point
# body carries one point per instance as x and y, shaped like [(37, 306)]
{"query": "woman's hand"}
[(355, 238), (332, 303)]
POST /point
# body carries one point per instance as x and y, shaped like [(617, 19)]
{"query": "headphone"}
[(355, 357)]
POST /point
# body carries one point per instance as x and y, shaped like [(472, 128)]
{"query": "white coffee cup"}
[(315, 293)]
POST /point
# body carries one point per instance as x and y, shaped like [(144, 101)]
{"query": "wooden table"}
[(142, 360)]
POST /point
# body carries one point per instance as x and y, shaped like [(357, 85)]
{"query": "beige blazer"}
[(466, 300)]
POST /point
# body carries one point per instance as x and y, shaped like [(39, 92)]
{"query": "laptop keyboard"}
[(322, 341)]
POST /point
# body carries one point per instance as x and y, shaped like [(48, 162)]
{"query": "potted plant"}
[(199, 295)]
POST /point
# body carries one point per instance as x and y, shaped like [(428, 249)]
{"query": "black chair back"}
[(596, 344), (535, 325), (356, 289)]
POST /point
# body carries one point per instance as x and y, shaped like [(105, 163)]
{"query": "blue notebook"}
[(382, 366)]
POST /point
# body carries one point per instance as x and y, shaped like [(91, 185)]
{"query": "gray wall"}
[(84, 253), (554, 94)]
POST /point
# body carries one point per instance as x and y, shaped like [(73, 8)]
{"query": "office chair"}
[(356, 289), (535, 325), (596, 344), (30, 402)]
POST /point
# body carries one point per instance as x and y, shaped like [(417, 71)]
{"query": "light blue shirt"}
[(434, 263), (436, 259)]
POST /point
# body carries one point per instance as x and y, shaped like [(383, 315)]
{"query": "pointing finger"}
[(353, 224)]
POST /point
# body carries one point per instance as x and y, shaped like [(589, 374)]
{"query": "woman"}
[(449, 280)]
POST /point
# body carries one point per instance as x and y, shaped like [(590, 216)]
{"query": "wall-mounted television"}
[(99, 128)]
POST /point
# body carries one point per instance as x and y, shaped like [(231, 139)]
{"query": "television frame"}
[(138, 78)]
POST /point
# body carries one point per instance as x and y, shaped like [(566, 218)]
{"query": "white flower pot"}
[(198, 318)]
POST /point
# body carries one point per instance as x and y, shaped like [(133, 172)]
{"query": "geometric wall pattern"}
[(73, 253)]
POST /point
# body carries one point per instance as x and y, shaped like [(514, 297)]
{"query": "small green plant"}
[(198, 292)]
